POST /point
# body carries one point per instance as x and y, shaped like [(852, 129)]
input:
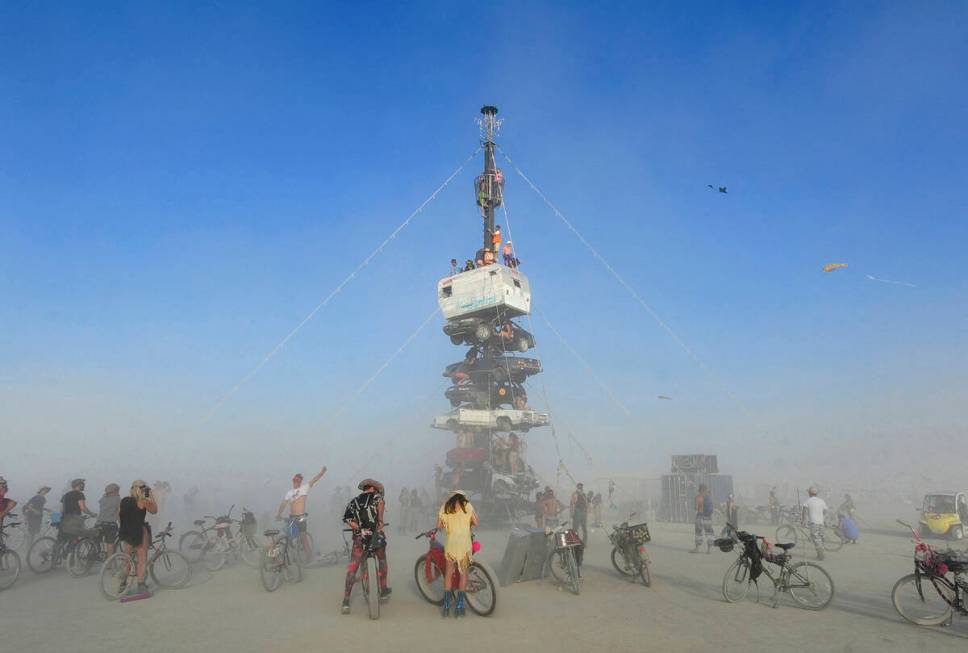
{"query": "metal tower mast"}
[(489, 187)]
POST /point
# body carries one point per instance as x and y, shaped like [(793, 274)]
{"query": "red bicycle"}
[(429, 573)]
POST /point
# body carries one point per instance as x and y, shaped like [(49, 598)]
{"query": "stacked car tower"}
[(490, 405)]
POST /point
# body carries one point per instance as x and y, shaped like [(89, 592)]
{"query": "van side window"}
[(447, 291)]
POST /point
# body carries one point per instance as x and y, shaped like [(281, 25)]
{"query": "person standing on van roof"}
[(453, 266), (508, 252), (496, 239)]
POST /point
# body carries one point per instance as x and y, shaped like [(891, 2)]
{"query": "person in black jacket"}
[(134, 532)]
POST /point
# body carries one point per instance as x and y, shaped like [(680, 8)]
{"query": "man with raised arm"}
[(296, 500)]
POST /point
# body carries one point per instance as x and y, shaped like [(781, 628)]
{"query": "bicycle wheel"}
[(810, 585), (304, 557), (557, 567), (193, 545), (40, 556), (931, 606), (786, 533), (645, 568), (270, 567), (116, 576), (481, 590), (574, 577), (371, 586), (170, 569), (833, 540), (9, 568), (736, 581), (250, 550), (217, 554), (432, 589), (82, 557), (620, 563)]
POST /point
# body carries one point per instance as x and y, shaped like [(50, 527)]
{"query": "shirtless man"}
[(296, 500)]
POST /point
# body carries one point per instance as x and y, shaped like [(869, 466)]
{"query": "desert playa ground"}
[(682, 611)]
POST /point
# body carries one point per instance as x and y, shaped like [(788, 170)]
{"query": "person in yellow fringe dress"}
[(456, 517)]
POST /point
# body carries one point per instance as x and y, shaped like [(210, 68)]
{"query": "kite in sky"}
[(830, 267)]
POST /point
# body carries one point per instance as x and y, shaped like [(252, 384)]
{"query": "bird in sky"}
[(722, 189)]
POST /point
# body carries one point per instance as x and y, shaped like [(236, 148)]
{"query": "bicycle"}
[(368, 573), (10, 564), (15, 534), (833, 537), (336, 556), (278, 561), (808, 583), (215, 544), (49, 552), (87, 551), (168, 569), (629, 555), (302, 539), (563, 559), (429, 571), (928, 597)]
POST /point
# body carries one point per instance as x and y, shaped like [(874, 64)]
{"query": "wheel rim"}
[(432, 590), (40, 558), (269, 570), (114, 570), (929, 610), (372, 586), (810, 586), (736, 582), (192, 545), (9, 568), (481, 595), (620, 563)]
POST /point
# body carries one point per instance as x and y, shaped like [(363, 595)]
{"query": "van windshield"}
[(941, 503)]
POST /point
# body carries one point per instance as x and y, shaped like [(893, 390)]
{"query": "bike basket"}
[(725, 544), (55, 518), (571, 538), (639, 533)]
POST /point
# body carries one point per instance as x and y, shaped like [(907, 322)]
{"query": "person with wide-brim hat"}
[(456, 517), (364, 516)]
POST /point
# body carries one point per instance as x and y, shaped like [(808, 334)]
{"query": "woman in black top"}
[(134, 532)]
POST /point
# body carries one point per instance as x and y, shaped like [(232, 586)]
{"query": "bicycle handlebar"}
[(432, 531)]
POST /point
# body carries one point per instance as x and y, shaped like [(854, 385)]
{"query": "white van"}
[(480, 291)]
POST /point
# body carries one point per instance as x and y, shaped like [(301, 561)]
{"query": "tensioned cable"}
[(588, 367), (384, 366), (366, 261), (621, 280)]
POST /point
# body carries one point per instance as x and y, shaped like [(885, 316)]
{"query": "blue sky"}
[(181, 184)]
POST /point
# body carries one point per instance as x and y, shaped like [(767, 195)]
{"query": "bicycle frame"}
[(925, 567)]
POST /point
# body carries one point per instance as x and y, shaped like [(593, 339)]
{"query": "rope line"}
[(588, 367), (366, 261), (621, 280)]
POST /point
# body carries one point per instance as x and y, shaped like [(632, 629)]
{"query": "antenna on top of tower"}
[(490, 124)]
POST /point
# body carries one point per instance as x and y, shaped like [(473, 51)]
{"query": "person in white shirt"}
[(296, 501), (813, 517)]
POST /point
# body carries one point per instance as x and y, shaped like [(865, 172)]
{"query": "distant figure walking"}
[(774, 505), (812, 516), (404, 511), (704, 519), (579, 512)]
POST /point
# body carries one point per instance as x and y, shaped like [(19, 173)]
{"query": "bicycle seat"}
[(272, 532), (199, 522), (786, 546)]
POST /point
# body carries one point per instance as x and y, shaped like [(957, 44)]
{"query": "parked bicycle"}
[(833, 537), (168, 569), (9, 559), (301, 538), (564, 557), (808, 583), (629, 555), (368, 573), (428, 572), (334, 557), (214, 545), (278, 561), (929, 597)]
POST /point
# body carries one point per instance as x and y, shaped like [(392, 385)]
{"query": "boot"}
[(445, 608), (819, 554), (345, 607), (459, 609)]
